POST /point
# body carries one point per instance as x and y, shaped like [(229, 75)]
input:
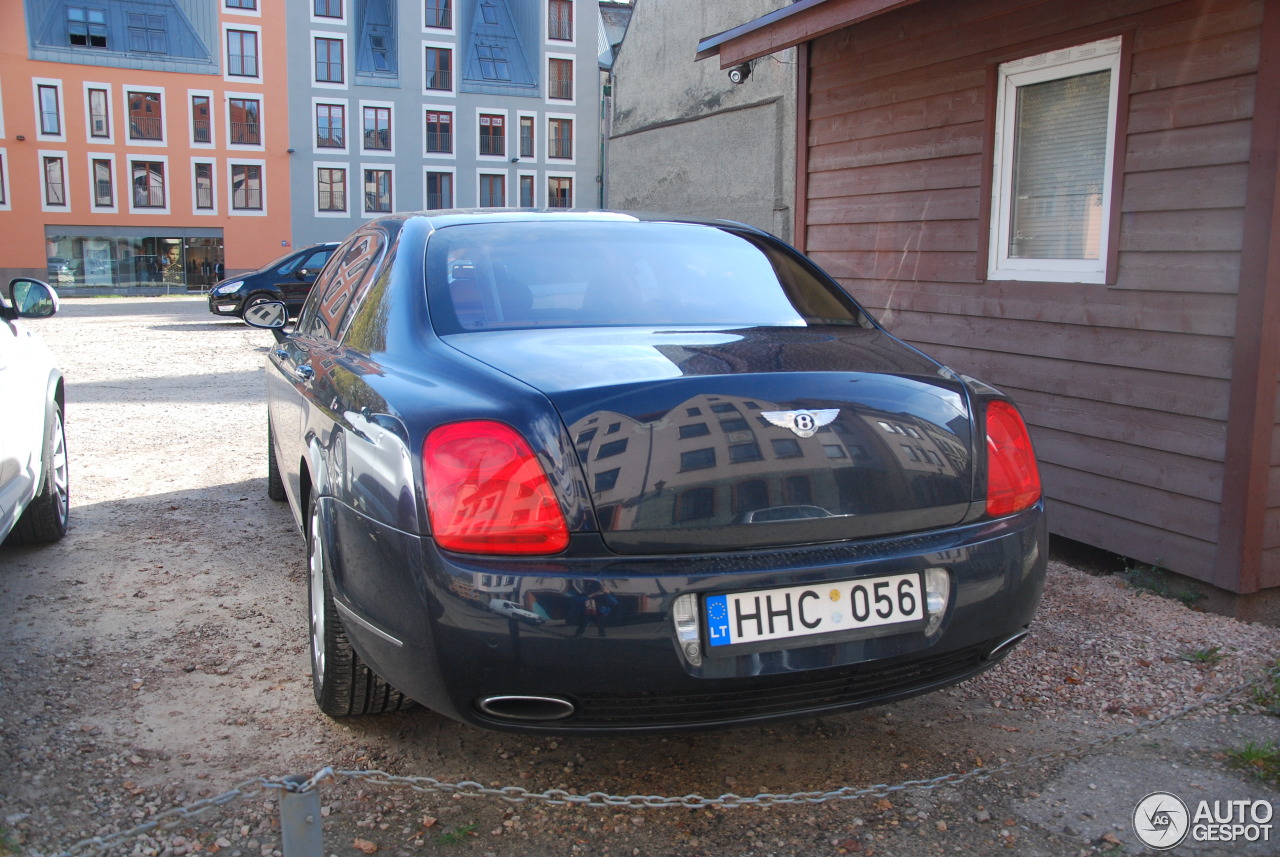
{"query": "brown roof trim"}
[(787, 27)]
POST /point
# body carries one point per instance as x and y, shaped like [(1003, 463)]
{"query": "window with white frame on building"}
[(242, 53), (148, 184), (99, 114), (246, 187), (560, 138), (377, 127), (527, 192), (439, 190), (439, 130), (146, 119), (201, 129), (204, 186), (103, 191), (50, 112), (1051, 196), (377, 191), (246, 124), (438, 14), (331, 122), (250, 5), (329, 64), (560, 20), (560, 79), (331, 189), (55, 181), (526, 136), (560, 192), (493, 135), (327, 8), (493, 191), (439, 69)]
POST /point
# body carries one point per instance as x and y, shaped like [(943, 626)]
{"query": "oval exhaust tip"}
[(526, 708)]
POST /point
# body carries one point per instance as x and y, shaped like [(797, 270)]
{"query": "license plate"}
[(802, 611)]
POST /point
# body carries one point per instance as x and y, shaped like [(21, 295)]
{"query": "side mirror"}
[(268, 315), (30, 298)]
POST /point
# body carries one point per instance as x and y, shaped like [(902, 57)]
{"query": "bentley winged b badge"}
[(803, 423)]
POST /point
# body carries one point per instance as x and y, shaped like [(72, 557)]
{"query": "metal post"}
[(301, 834)]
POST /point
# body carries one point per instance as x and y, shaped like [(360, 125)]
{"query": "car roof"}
[(439, 219)]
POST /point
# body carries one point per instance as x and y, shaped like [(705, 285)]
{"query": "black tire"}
[(45, 520), (254, 299), (342, 683), (275, 483)]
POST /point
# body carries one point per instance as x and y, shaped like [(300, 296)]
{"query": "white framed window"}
[(144, 111), (439, 136), (242, 53), (244, 120), (97, 113), (200, 118), (527, 137), (1054, 165), (247, 187), (438, 188), (50, 113), (560, 76), (328, 60), (527, 184), (149, 184), (559, 144), (376, 126), (332, 189), (437, 15), (437, 69), (54, 194), (331, 119), (5, 203), (204, 186), (242, 7), (103, 198), (379, 187), (328, 12), (560, 191), (491, 189), (491, 133)]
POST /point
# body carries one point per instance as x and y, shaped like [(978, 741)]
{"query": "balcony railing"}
[(330, 139), (440, 141), (201, 131), (562, 89), (441, 79), (246, 133), (441, 17), (439, 200), (491, 144), (151, 196), (377, 139), (335, 200), (145, 128)]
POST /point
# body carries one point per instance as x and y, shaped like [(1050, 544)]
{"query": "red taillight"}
[(1013, 481), (487, 493)]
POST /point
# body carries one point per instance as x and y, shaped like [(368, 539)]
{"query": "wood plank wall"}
[(1125, 385)]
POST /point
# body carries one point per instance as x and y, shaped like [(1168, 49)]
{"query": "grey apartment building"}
[(423, 104)]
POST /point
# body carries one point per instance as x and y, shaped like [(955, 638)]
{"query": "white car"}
[(33, 444)]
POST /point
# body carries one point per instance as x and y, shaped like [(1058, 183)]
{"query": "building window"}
[(251, 5), (246, 187), (526, 136), (146, 33), (493, 138), (377, 191), (560, 138), (560, 20), (694, 430), (242, 53), (55, 181), (493, 191), (560, 79), (694, 504), (331, 121), (201, 130), (99, 114), (698, 459), (377, 128), (439, 71), (607, 480), (526, 192), (331, 185), (493, 62), (146, 121), (1055, 128), (148, 184), (439, 13), (610, 449), (329, 60), (204, 186), (327, 8), (786, 448), (439, 190), (103, 193), (559, 192), (86, 28), (246, 128), (50, 114), (439, 132), (740, 452)]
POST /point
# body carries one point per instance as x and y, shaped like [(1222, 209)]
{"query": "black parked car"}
[(726, 492), (288, 279)]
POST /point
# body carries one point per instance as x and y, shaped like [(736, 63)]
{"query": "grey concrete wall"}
[(686, 140)]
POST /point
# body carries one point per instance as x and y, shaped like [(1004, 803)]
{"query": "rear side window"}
[(564, 274), (328, 302)]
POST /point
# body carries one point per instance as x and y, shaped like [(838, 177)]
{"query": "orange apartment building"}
[(142, 143)]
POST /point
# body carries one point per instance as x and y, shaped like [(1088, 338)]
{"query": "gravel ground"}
[(156, 657)]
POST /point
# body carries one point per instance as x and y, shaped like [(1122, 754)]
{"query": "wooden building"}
[(1078, 203)]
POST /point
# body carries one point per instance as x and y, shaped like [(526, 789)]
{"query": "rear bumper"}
[(422, 619)]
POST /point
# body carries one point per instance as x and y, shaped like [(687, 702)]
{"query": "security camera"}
[(739, 73)]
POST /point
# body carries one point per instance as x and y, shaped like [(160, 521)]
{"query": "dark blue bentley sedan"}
[(593, 472)]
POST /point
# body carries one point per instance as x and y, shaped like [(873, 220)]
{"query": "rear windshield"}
[(549, 274)]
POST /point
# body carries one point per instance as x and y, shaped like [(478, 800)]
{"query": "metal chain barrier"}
[(560, 797)]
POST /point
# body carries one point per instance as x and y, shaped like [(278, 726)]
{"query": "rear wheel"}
[(275, 483), (342, 683), (45, 520)]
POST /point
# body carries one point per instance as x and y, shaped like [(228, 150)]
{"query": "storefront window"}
[(163, 263)]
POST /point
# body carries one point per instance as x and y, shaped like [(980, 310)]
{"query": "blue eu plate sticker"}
[(718, 620)]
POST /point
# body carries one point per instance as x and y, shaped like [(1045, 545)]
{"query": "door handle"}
[(306, 373)]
